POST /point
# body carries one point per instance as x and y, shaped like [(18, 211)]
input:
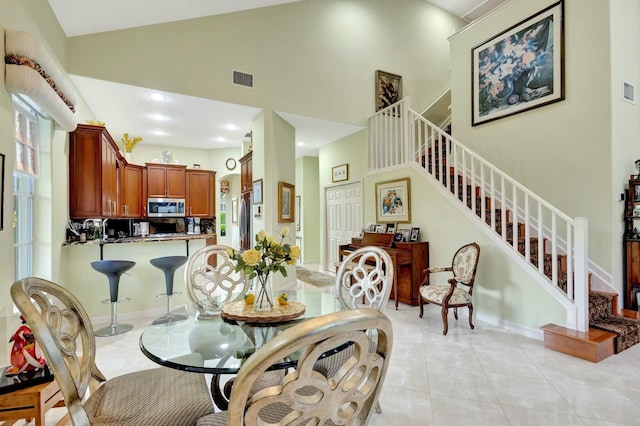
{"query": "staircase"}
[(547, 243)]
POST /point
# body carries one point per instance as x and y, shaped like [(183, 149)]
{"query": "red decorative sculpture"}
[(25, 353)]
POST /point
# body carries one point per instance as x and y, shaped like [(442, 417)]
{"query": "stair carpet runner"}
[(601, 315)]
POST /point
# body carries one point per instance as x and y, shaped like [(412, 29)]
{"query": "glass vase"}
[(263, 291)]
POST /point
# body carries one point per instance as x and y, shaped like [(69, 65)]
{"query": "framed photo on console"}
[(415, 235)]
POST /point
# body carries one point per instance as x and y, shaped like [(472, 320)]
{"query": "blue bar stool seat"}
[(169, 265), (113, 269)]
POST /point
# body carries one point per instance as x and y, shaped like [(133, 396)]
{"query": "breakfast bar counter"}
[(141, 284)]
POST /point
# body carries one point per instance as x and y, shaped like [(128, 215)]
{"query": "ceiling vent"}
[(242, 79)]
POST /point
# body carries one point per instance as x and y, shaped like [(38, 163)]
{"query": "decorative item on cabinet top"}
[(130, 142)]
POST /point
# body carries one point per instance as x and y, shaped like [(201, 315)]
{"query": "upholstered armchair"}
[(64, 332), (460, 289), (304, 396)]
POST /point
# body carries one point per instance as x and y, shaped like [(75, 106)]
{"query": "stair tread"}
[(595, 335)]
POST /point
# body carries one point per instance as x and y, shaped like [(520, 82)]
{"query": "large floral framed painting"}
[(521, 68)]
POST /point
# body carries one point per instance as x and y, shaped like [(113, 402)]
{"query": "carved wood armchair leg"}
[(455, 313), (445, 312), (421, 303), (471, 316)]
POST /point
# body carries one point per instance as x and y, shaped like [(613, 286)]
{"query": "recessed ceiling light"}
[(220, 139), (158, 97), (158, 117), (158, 132), (301, 143), (231, 127)]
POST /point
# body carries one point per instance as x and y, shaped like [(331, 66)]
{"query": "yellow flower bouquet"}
[(267, 256)]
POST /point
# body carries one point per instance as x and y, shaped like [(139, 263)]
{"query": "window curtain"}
[(32, 71)]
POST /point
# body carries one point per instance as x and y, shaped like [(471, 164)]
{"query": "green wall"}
[(562, 151)]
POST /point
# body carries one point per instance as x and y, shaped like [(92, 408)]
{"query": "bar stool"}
[(168, 265), (113, 269)]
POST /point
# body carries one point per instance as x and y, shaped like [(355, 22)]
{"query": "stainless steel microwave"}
[(165, 207)]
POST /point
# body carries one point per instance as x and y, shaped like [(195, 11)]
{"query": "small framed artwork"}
[(406, 235), (340, 173), (393, 201), (415, 235), (388, 89), (286, 206), (397, 237), (520, 68), (380, 229), (234, 210), (257, 191), (390, 228)]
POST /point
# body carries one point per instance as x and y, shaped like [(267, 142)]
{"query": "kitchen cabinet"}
[(200, 199), (94, 162), (133, 198), (166, 180), (246, 172)]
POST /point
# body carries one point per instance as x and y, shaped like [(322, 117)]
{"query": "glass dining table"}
[(219, 346)]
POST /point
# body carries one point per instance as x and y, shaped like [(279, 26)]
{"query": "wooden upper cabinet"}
[(201, 199), (93, 173), (246, 172), (166, 181), (133, 200)]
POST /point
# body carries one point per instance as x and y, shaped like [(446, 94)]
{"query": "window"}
[(24, 175)]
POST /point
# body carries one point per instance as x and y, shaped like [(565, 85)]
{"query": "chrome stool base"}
[(169, 319), (113, 330)]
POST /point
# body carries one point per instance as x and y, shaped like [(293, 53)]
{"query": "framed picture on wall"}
[(388, 89), (520, 68), (257, 191), (393, 201), (286, 206), (340, 173), (234, 211)]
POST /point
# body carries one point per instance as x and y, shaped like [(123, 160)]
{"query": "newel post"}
[(581, 283)]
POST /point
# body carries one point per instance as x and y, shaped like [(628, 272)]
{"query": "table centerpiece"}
[(258, 263)]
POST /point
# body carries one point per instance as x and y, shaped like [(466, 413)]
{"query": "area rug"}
[(316, 278)]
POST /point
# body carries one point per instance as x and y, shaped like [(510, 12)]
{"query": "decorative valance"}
[(31, 70)]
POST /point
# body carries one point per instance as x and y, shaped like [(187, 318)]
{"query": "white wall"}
[(625, 125)]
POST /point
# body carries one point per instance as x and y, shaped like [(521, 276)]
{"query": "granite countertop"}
[(140, 239)]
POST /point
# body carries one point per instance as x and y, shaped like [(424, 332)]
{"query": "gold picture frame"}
[(286, 203), (393, 201), (388, 89), (340, 173)]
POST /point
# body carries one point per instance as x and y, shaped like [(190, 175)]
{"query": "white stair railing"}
[(540, 236)]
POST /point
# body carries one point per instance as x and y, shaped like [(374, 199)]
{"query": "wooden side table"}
[(31, 402)]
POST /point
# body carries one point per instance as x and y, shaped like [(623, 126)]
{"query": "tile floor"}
[(488, 376)]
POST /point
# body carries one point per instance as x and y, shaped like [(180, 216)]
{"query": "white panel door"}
[(344, 218)]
